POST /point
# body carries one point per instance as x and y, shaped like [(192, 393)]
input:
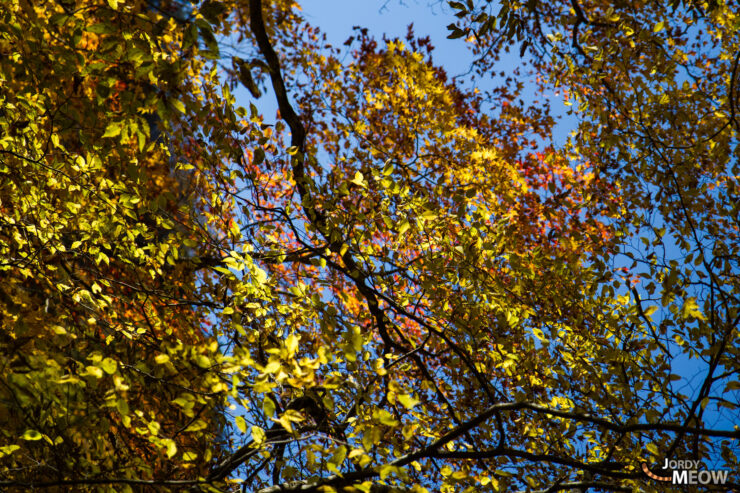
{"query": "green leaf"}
[(337, 458), (211, 10), (100, 28)]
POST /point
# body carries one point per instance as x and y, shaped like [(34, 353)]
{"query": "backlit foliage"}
[(397, 284)]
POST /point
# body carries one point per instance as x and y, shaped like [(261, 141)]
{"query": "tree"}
[(392, 288), (105, 344), (655, 85)]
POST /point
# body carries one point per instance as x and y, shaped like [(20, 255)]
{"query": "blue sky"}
[(430, 18), (337, 17)]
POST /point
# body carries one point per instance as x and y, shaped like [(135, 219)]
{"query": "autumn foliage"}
[(400, 282)]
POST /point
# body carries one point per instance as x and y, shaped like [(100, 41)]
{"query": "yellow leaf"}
[(203, 361), (154, 427), (258, 434), (114, 128), (31, 435), (356, 453), (272, 367), (691, 309), (385, 418), (407, 401), (291, 344), (285, 422), (268, 406), (59, 330), (359, 180), (652, 448), (109, 365), (177, 104), (161, 359), (171, 447), (650, 310), (94, 371), (197, 426), (8, 449)]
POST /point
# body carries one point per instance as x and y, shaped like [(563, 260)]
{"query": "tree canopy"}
[(400, 282)]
